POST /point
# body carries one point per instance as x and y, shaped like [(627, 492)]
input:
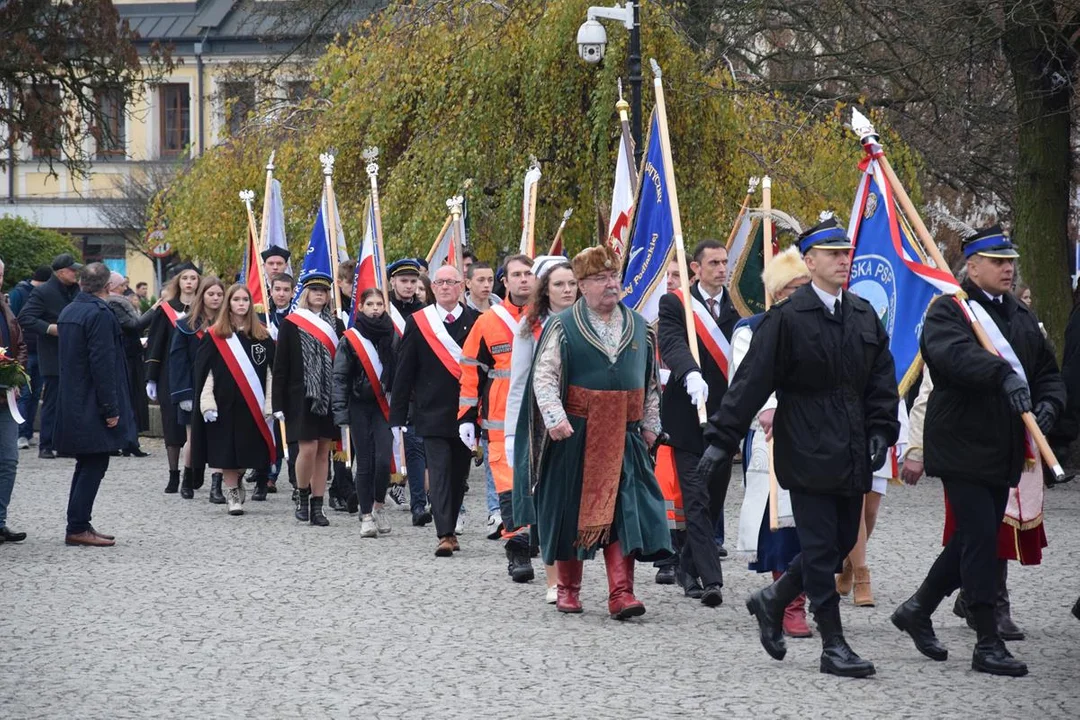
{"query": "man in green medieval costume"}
[(595, 412)]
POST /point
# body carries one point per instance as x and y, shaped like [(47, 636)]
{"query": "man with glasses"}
[(594, 384)]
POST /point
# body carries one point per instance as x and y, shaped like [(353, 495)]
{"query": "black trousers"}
[(448, 470), (85, 481), (970, 557), (703, 503), (373, 444), (828, 527)]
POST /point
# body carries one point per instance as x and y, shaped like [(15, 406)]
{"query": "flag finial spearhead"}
[(247, 196), (753, 186), (371, 155), (566, 215), (655, 68), (862, 126), (454, 204)]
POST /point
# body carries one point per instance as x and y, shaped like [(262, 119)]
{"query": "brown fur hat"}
[(594, 260)]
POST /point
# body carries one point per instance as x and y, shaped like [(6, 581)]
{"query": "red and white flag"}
[(622, 198), (369, 273)]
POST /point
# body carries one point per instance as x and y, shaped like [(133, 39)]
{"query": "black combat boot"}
[(302, 497), (317, 517), (837, 657), (519, 565), (767, 605), (174, 482), (259, 493), (217, 497), (187, 485), (1007, 629), (991, 656), (913, 617)]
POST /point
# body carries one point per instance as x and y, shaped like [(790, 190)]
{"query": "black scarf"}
[(380, 331)]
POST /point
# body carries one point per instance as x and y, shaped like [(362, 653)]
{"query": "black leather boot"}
[(690, 585), (187, 487), (259, 493), (302, 497), (174, 482), (217, 497), (991, 656), (960, 610), (519, 564), (767, 605), (913, 617), (1076, 609), (317, 517), (665, 575), (1007, 629), (837, 657)]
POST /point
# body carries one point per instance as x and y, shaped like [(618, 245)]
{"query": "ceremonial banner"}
[(528, 209), (252, 276), (746, 262), (889, 270), (273, 227), (622, 198), (443, 250), (317, 257), (369, 272), (652, 244)]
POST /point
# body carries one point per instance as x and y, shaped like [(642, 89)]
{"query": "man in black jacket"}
[(39, 316), (428, 376), (974, 438), (690, 386), (826, 354)]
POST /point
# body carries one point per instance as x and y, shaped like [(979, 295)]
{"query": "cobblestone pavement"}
[(195, 614)]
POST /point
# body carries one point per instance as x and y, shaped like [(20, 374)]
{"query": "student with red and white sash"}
[(428, 377), (234, 366), (975, 441), (183, 349), (363, 379), (556, 290), (689, 386), (177, 298), (302, 386)]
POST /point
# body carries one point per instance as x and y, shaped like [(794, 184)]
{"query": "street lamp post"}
[(592, 42)]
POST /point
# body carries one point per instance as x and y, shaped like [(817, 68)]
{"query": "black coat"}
[(678, 414), (970, 432), (289, 393), (183, 349), (158, 345), (351, 383), (133, 326), (41, 310), (1068, 424), (423, 379), (93, 381), (835, 384)]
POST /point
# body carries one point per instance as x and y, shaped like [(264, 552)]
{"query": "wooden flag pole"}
[(371, 154), (267, 191), (742, 211), (623, 108), (327, 160), (531, 244), (676, 222), (558, 233), (766, 250), (438, 238), (247, 197), (869, 137)]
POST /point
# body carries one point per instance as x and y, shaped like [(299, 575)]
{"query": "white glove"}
[(280, 416), (151, 390), (467, 433), (185, 405), (696, 388), (508, 444), (210, 416)]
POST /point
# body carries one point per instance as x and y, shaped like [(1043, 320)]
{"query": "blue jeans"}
[(28, 401), (85, 481), (9, 460), (492, 496), (51, 393), (415, 467)]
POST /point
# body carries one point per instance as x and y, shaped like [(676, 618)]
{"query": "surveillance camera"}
[(591, 41)]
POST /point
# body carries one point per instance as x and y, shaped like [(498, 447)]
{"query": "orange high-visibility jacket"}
[(485, 383)]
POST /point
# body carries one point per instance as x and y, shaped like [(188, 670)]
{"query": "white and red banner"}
[(369, 273), (622, 201)]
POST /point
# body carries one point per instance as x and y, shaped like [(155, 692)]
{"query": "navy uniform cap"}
[(827, 234), (991, 242), (404, 266), (422, 262)]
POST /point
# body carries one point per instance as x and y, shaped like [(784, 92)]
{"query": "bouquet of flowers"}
[(12, 374)]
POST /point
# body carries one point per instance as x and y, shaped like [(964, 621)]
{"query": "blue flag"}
[(653, 242), (889, 270), (317, 257)]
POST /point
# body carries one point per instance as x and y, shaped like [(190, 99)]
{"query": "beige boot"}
[(844, 579), (864, 596)]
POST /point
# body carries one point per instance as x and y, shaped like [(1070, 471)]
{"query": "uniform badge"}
[(258, 354), (871, 206)]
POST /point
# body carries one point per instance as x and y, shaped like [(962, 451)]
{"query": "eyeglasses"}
[(603, 278), (445, 282)]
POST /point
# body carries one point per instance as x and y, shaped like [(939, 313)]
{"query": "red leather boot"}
[(569, 578), (620, 572), (795, 624)]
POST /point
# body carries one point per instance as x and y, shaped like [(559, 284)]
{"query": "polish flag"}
[(622, 198)]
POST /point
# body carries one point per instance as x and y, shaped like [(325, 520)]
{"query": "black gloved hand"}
[(1045, 416), (879, 449), (714, 458), (1017, 391)]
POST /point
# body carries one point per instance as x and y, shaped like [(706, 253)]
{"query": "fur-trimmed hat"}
[(594, 260), (782, 269)]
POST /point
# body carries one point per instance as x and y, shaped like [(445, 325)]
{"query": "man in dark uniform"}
[(974, 438), (427, 376), (404, 283), (689, 387), (281, 287), (826, 354)]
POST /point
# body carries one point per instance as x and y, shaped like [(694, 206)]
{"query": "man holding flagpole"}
[(826, 354)]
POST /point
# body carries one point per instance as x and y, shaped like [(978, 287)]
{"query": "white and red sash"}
[(438, 338), (512, 324), (397, 319), (974, 312), (710, 334), (373, 367), (316, 326), (172, 314), (251, 388)]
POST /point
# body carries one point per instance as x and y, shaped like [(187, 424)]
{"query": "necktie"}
[(836, 309), (711, 302), (449, 318)]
